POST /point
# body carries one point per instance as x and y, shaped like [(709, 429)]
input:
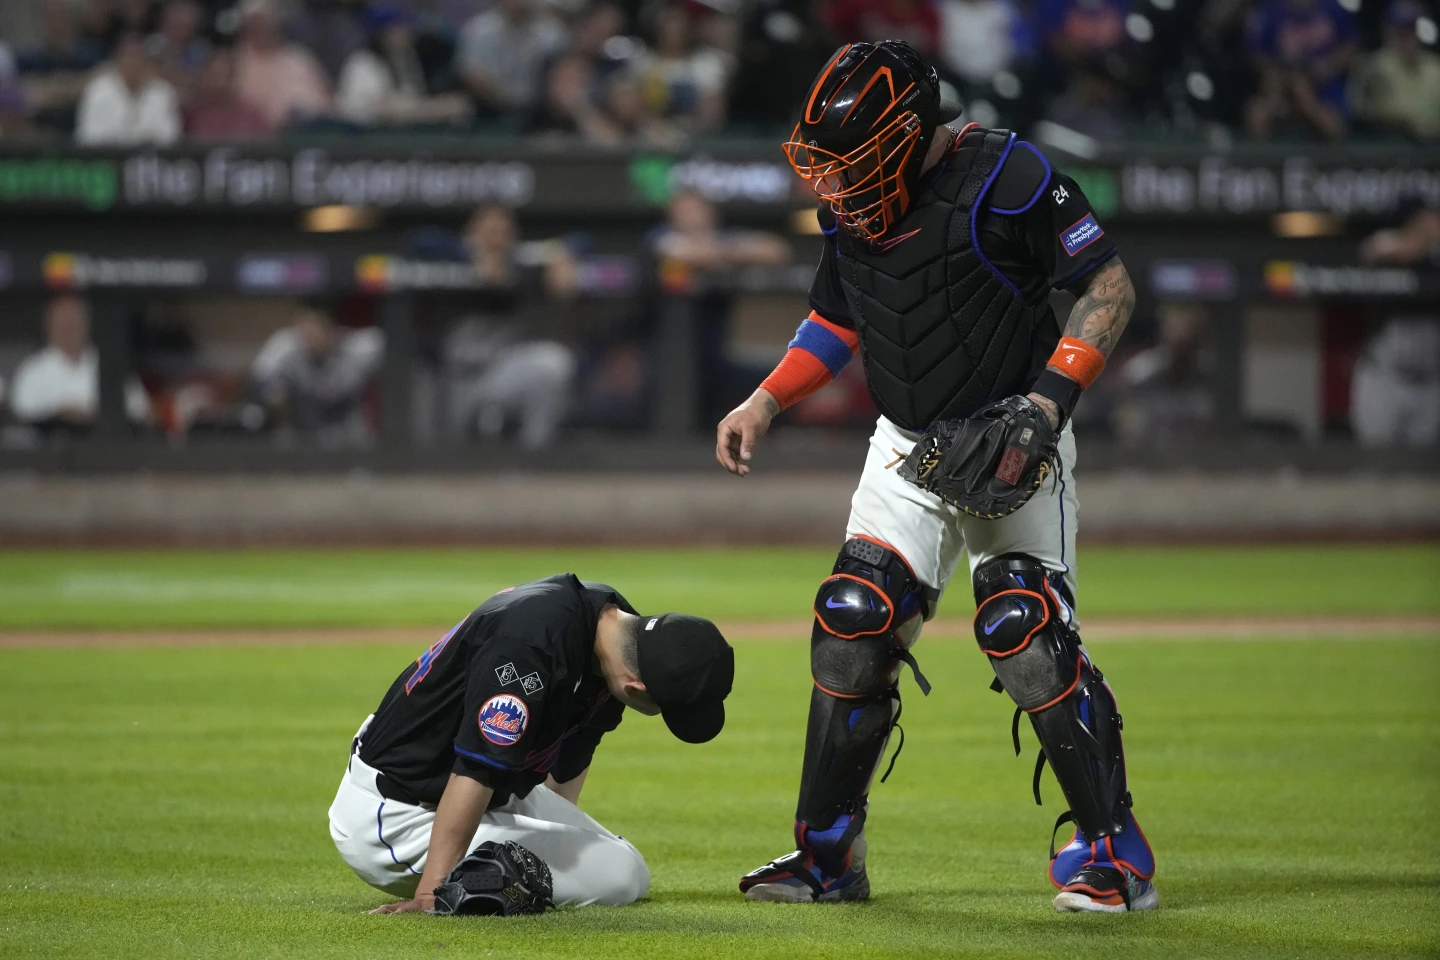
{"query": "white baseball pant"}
[(385, 841), (931, 535)]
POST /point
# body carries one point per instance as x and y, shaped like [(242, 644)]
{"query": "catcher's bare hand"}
[(419, 905), (735, 437)]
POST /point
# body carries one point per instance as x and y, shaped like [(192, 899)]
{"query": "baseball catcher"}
[(942, 244)]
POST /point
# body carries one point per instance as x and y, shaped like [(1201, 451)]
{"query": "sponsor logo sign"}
[(503, 719), (75, 271), (1080, 234), (378, 273), (1287, 278), (656, 180), (285, 273), (1194, 279)]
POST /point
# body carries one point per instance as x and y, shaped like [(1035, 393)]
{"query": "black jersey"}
[(1034, 230), (506, 697)]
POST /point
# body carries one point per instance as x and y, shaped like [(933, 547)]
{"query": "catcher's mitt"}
[(987, 465), (497, 879)]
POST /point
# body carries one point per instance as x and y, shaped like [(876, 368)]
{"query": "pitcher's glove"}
[(501, 879), (987, 465)]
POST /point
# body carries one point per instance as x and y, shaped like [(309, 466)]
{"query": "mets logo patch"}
[(1081, 234), (503, 719)]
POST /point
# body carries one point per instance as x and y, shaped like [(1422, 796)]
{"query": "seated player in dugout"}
[(489, 734), (943, 243)]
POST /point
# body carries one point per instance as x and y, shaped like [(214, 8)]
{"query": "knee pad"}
[(870, 594), (1018, 623), (1039, 661)]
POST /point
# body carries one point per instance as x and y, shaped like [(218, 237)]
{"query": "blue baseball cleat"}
[(1111, 875), (795, 878)]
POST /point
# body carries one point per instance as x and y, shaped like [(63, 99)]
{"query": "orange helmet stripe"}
[(815, 91)]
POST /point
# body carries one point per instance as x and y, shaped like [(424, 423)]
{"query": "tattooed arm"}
[(1102, 309)]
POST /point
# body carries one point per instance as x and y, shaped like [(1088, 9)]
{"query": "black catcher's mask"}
[(866, 126)]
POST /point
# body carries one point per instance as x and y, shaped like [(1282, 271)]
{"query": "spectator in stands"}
[(695, 256), (596, 26), (62, 48), (1413, 242), (1398, 87), (502, 51), (781, 52), (1302, 50), (494, 372), (329, 29), (179, 44), (385, 83), (128, 104), (1086, 41), (60, 386), (626, 109), (1395, 394), (684, 81), (567, 111), (312, 377), (14, 109), (55, 70), (1167, 393), (977, 38), (123, 17), (914, 21), (281, 78), (216, 110)]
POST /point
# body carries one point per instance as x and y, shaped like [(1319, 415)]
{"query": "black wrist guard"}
[(1060, 390)]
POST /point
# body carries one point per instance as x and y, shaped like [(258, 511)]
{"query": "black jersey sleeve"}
[(579, 748), (826, 296), (506, 690), (1048, 216)]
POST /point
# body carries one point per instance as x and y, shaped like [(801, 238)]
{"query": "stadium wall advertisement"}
[(1135, 184)]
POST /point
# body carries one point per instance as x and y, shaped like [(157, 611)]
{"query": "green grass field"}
[(171, 802)]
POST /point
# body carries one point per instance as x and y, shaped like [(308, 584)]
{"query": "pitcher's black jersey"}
[(506, 697)]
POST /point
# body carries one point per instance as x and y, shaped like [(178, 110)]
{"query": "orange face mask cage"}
[(865, 188)]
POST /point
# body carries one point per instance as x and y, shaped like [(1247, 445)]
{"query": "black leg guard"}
[(1040, 663), (855, 658)]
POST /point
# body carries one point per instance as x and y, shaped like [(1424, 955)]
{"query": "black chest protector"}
[(941, 331)]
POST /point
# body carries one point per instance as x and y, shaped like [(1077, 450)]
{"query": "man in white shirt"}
[(60, 385), (501, 51), (128, 105)]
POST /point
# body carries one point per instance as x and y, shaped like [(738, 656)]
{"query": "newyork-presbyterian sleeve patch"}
[(1081, 234)]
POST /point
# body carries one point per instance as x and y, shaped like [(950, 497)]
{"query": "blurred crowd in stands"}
[(657, 72), (499, 361)]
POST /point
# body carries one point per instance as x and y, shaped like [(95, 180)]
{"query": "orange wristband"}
[(1077, 360)]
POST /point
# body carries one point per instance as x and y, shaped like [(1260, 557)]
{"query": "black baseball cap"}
[(688, 669)]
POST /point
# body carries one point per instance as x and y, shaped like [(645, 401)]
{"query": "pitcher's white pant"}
[(931, 534), (385, 842)]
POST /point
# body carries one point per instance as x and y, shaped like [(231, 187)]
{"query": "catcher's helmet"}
[(866, 126)]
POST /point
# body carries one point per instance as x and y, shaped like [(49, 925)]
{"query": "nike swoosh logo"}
[(992, 627), (830, 602), (884, 245)]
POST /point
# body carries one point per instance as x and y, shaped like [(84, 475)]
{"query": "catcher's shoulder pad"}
[(501, 879)]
